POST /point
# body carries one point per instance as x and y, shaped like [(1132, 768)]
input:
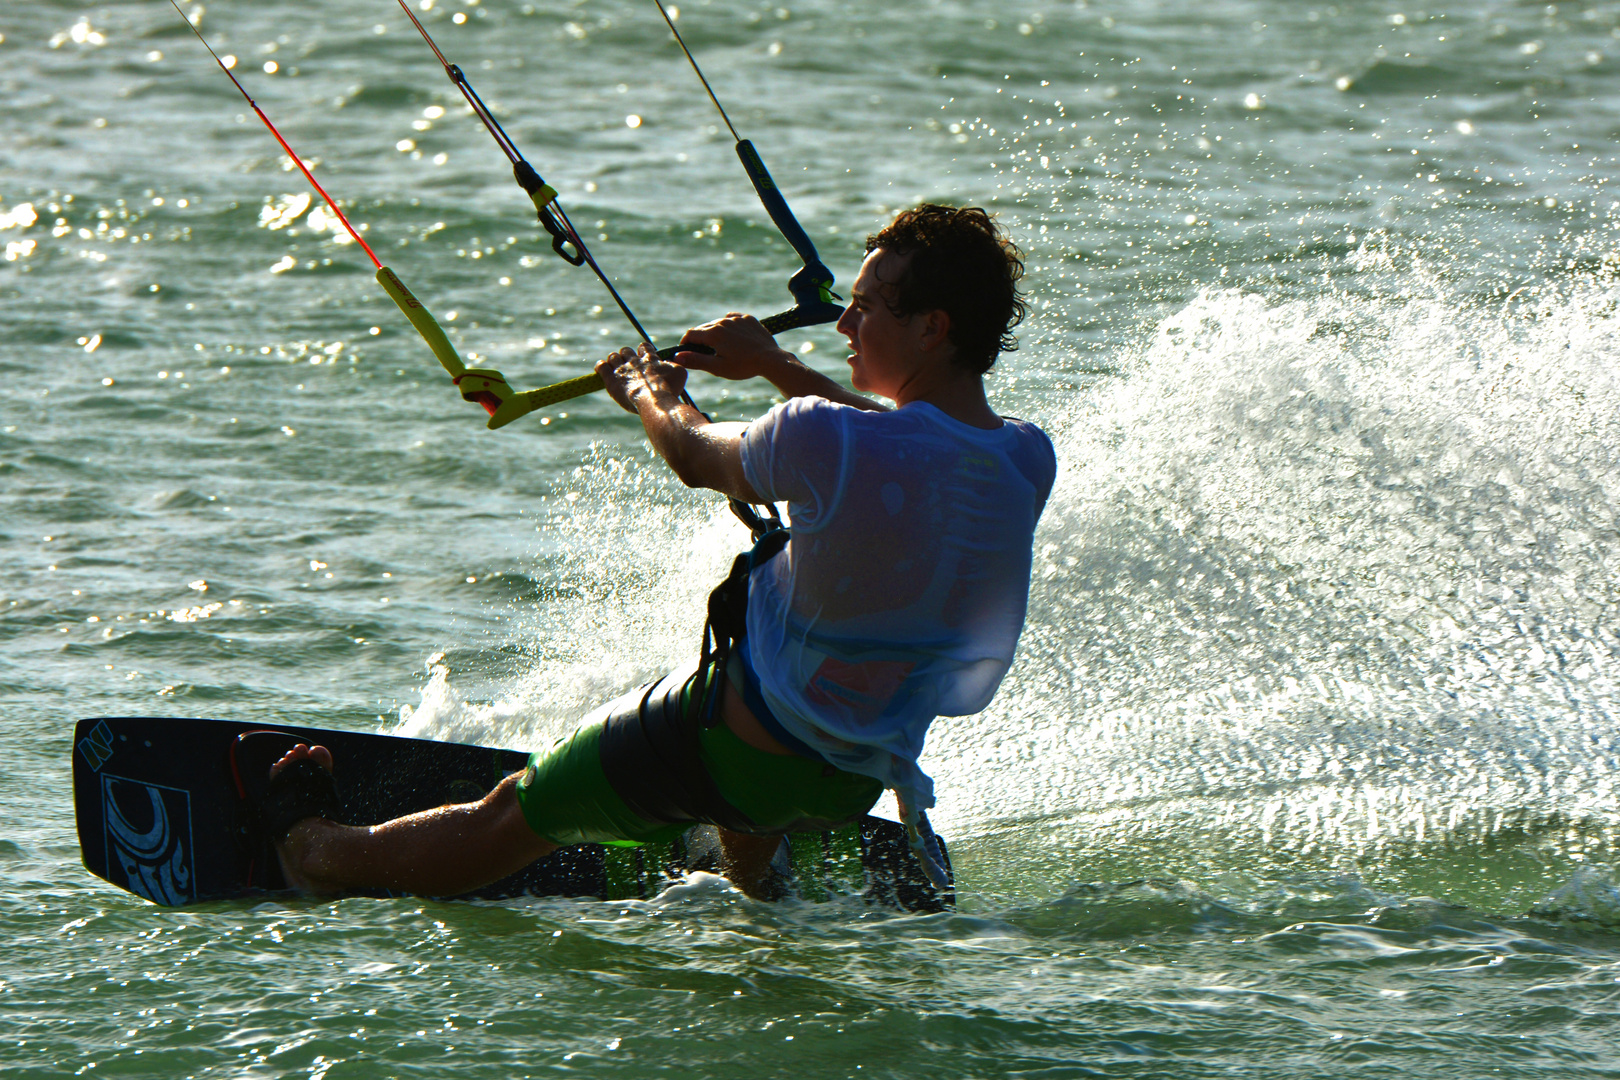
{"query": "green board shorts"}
[(567, 799)]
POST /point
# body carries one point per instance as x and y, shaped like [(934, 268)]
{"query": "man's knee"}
[(504, 818)]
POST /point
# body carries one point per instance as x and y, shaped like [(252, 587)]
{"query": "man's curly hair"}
[(960, 263)]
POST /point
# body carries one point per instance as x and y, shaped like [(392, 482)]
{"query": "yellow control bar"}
[(423, 320), (481, 385), (521, 404)]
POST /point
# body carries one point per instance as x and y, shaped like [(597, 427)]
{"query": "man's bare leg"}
[(745, 861), (441, 852)]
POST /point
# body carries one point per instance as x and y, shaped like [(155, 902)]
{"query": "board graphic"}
[(148, 833), (159, 815)]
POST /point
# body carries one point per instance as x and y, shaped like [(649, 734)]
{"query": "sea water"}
[(1307, 764)]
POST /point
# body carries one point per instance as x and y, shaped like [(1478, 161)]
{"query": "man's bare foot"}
[(320, 755), (295, 849)]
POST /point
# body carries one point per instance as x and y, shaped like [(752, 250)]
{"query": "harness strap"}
[(728, 616), (649, 744)]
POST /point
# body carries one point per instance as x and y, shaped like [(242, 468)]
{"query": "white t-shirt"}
[(903, 591)]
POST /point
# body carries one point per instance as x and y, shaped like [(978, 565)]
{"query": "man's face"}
[(885, 355)]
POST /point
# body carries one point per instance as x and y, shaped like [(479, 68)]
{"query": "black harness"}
[(649, 744), (728, 615)]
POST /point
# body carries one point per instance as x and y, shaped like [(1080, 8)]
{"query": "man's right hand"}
[(632, 374)]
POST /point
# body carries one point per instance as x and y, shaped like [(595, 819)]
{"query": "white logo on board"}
[(148, 830)]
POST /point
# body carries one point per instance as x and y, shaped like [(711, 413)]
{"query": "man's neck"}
[(961, 398)]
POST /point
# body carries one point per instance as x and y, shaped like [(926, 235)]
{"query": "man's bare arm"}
[(744, 349), (703, 454), (789, 375)]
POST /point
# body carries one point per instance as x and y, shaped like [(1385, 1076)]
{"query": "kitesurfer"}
[(897, 597)]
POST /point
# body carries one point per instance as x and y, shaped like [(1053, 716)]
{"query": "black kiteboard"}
[(159, 814)]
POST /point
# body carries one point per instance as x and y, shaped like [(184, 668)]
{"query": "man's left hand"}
[(631, 374)]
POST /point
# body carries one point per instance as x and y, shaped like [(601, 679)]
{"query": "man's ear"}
[(934, 329)]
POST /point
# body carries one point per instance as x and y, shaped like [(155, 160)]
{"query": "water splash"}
[(1326, 578), (632, 557)]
